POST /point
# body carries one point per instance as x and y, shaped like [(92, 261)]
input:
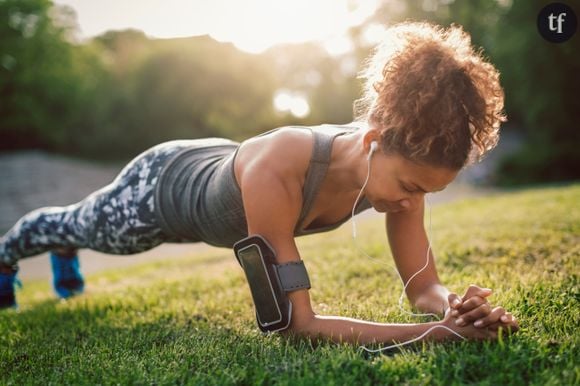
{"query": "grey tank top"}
[(197, 197)]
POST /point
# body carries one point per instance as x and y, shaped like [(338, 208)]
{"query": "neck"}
[(348, 166)]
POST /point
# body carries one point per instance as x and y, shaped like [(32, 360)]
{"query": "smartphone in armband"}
[(273, 309)]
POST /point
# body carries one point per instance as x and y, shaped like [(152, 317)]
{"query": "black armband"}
[(270, 282)]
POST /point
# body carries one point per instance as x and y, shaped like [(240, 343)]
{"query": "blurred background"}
[(87, 85)]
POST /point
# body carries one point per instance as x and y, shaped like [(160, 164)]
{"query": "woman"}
[(431, 106)]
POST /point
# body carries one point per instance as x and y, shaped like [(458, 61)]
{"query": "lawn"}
[(191, 320)]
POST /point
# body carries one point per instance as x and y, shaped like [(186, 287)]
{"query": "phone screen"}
[(260, 286)]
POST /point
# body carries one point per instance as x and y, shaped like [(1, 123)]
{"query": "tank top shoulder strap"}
[(323, 137)]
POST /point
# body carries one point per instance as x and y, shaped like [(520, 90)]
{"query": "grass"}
[(191, 321)]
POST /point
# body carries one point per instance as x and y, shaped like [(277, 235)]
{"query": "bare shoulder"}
[(285, 152)]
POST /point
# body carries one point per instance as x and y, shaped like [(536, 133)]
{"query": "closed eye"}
[(406, 189)]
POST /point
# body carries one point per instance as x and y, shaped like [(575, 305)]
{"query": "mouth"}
[(388, 207)]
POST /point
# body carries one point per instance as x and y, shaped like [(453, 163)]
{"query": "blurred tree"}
[(40, 82), (332, 99), (162, 89), (328, 82), (121, 92), (542, 85), (115, 95), (196, 87), (105, 131)]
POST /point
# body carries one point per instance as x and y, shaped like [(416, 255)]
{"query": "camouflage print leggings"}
[(116, 219)]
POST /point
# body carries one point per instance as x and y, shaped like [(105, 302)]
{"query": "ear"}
[(370, 136)]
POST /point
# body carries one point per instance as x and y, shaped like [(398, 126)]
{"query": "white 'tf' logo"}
[(560, 20)]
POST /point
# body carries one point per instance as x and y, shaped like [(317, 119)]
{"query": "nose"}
[(405, 203), (410, 202)]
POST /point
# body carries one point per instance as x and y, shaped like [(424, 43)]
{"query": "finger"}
[(512, 327), (454, 300), (471, 304), (510, 321), (493, 317), (513, 323), (475, 290), (506, 318), (471, 316)]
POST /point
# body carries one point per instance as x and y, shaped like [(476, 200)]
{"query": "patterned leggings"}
[(116, 219)]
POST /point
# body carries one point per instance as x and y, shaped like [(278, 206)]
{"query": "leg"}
[(7, 282), (42, 230), (35, 233), (116, 219)]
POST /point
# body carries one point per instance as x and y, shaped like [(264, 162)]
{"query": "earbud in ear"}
[(374, 146)]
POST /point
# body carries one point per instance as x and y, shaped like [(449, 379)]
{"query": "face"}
[(397, 184)]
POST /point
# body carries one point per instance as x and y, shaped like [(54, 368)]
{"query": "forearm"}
[(426, 280), (410, 248), (354, 331)]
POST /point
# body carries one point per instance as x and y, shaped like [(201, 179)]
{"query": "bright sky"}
[(252, 25)]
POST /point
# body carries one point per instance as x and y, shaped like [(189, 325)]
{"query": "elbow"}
[(303, 318), (300, 326)]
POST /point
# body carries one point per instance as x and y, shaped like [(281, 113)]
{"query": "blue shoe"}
[(7, 282), (67, 278)]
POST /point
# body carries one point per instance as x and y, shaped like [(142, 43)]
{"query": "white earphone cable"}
[(411, 340), (405, 285), (427, 259)]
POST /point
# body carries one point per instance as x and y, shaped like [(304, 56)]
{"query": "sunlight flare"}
[(251, 25), (295, 103)]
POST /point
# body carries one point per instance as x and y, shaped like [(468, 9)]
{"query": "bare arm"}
[(409, 244), (272, 199)]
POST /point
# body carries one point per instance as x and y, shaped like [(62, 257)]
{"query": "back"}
[(198, 197)]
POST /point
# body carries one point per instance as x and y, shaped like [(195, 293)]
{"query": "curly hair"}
[(434, 98)]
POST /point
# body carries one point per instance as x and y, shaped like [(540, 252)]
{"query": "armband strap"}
[(293, 276)]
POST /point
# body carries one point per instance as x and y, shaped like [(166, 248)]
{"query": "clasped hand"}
[(471, 314), (474, 308)]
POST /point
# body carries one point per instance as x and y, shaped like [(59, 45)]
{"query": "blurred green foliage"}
[(115, 95), (542, 90), (42, 77)]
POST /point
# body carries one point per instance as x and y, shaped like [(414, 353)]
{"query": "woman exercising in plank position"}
[(432, 105)]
